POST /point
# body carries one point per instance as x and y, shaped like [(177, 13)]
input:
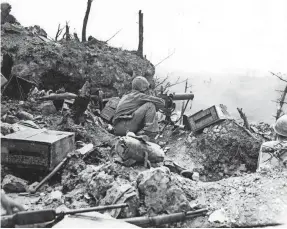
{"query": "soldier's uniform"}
[(273, 154)]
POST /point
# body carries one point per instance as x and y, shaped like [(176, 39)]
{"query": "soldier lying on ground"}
[(136, 111), (273, 154)]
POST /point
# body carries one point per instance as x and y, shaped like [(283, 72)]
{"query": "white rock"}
[(218, 216), (56, 195), (195, 176)]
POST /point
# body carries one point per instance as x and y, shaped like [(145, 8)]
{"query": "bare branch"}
[(165, 58), (279, 77), (281, 103), (162, 82), (59, 31), (113, 36)]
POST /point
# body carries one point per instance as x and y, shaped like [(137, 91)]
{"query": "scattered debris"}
[(85, 149)]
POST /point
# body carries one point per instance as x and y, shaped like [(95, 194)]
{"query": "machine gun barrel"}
[(183, 96)]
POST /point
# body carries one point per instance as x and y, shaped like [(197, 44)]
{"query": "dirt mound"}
[(221, 150), (68, 64)]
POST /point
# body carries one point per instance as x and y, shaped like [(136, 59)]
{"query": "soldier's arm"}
[(158, 102)]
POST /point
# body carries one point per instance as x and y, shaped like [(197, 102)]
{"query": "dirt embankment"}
[(68, 64)]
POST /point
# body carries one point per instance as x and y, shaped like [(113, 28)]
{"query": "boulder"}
[(12, 184), (122, 192), (160, 193)]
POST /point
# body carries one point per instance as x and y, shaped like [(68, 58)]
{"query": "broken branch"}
[(165, 58), (59, 31), (279, 77), (281, 103), (113, 36), (243, 116)]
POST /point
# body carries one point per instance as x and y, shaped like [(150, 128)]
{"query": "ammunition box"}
[(36, 148), (204, 118)]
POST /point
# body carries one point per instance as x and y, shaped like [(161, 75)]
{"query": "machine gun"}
[(170, 105)]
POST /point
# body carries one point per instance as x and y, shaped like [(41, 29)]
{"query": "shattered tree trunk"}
[(140, 47), (243, 116), (68, 36), (89, 3), (76, 37), (81, 103), (281, 103)]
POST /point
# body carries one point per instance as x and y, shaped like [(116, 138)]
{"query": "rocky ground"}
[(228, 186), (224, 154)]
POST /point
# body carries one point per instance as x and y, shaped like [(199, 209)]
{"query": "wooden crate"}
[(204, 118), (37, 148)]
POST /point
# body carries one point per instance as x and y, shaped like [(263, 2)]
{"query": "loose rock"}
[(23, 115), (13, 184), (47, 108)]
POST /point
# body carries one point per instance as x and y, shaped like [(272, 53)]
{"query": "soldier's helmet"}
[(280, 126), (140, 84)]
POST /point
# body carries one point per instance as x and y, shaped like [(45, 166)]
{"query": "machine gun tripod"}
[(170, 105)]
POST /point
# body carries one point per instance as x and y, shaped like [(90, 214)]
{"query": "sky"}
[(207, 36)]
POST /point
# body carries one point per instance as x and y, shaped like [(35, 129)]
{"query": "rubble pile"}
[(263, 130), (223, 149), (247, 200), (53, 65)]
